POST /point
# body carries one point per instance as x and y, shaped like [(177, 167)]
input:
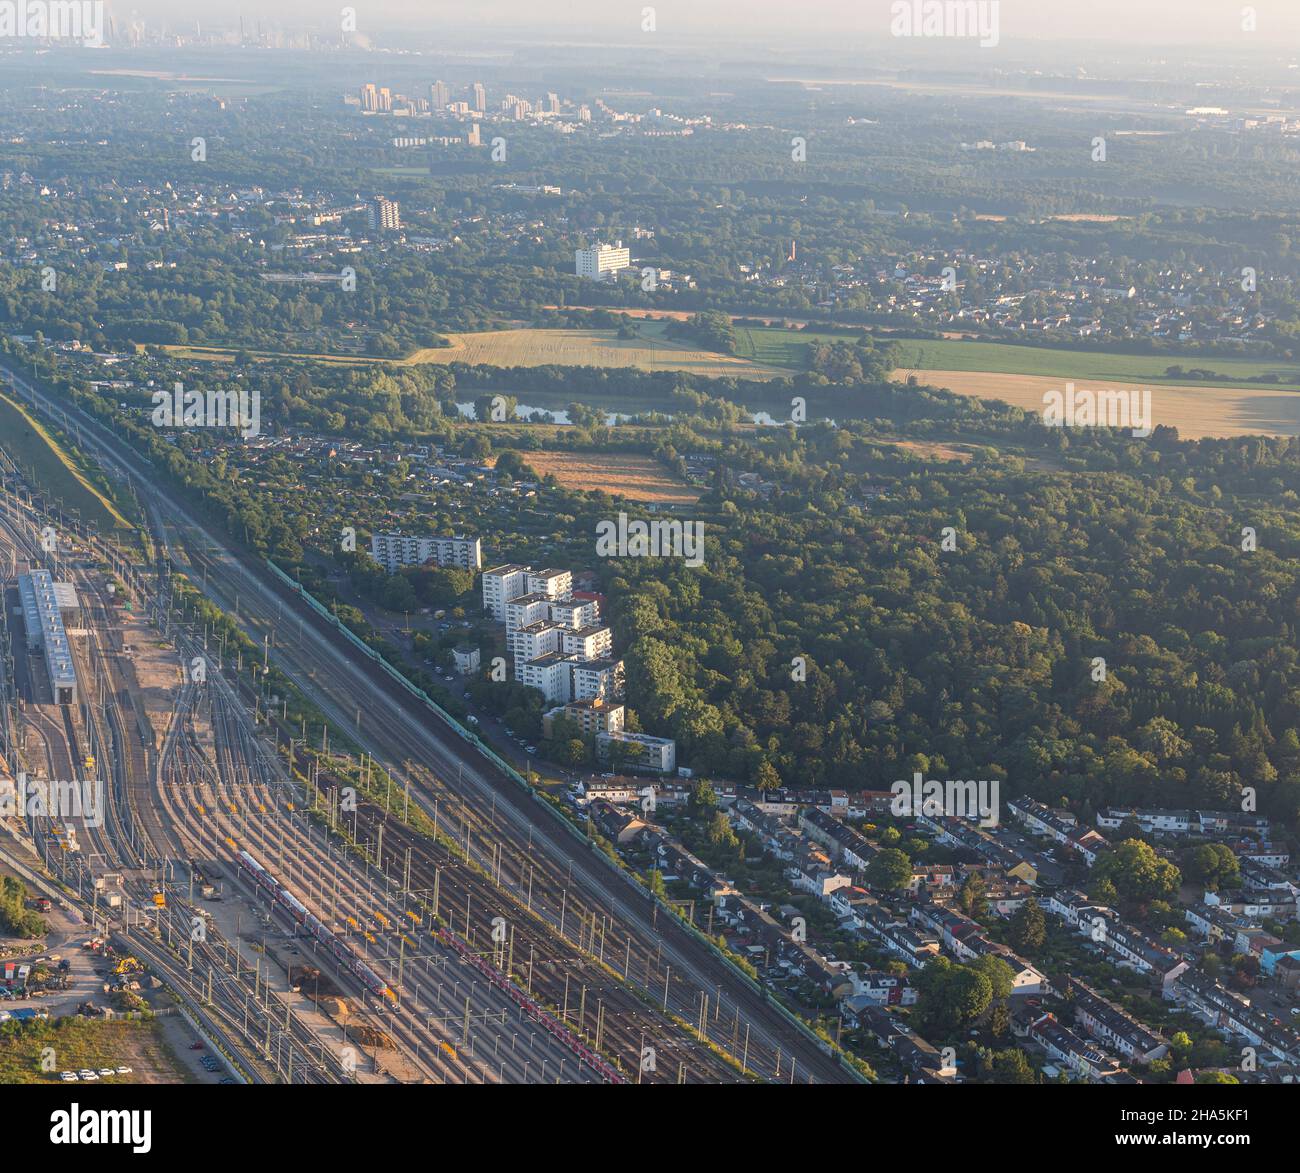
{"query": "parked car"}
[(86, 1074), (123, 1071), (68, 1076)]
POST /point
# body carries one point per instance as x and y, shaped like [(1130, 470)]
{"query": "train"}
[(334, 942)]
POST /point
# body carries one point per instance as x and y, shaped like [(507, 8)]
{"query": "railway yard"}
[(392, 908)]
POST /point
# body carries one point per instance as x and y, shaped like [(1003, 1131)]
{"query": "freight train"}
[(324, 935)]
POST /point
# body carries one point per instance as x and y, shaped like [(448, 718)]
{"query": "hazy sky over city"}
[(1147, 21)]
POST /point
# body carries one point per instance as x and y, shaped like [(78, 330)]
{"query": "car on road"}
[(531, 748)]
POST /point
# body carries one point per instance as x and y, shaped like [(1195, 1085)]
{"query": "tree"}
[(950, 996), (1213, 865), (1138, 874), (720, 832), (765, 777), (1011, 1066), (971, 899), (889, 870), (1028, 928)]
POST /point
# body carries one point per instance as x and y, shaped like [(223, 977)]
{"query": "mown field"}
[(533, 348), (1196, 411), (49, 466), (638, 478), (651, 351), (86, 1042), (789, 348)]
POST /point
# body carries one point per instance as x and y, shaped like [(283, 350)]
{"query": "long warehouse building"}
[(43, 602)]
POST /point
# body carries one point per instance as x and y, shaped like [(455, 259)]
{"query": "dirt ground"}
[(639, 478), (1196, 412)]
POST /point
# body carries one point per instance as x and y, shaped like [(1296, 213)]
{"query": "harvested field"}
[(1196, 412), (638, 478), (592, 348)]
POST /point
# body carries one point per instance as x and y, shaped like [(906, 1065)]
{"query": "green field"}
[(48, 466), (788, 348), (87, 1042)]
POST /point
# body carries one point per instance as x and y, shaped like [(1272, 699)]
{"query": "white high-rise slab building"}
[(501, 585), (601, 260), (393, 551)]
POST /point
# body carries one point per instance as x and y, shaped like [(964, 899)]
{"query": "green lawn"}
[(788, 348), (48, 465)]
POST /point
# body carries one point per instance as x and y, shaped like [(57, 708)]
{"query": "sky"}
[(1150, 22)]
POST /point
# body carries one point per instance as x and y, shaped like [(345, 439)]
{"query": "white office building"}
[(602, 261), (393, 551)]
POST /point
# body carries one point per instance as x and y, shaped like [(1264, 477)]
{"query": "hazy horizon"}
[(1137, 22)]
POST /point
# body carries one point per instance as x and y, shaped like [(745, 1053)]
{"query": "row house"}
[(848, 904), (877, 988), (1217, 925), (1185, 822), (775, 837), (1114, 1027), (1085, 1059), (1256, 904), (1233, 1016), (1126, 943), (898, 938), (1060, 826), (997, 847), (1264, 851), (848, 846), (966, 940), (1261, 875), (920, 1060)]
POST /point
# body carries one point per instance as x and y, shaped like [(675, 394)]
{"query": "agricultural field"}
[(533, 348), (88, 1042), (947, 355), (788, 348), (1196, 411), (592, 348), (46, 464), (638, 478)]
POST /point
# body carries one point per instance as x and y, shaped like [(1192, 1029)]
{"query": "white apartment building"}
[(576, 613), (501, 584), (598, 678), (590, 643), (554, 584), (534, 641), (602, 260), (525, 611), (551, 673), (654, 753), (393, 551)]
